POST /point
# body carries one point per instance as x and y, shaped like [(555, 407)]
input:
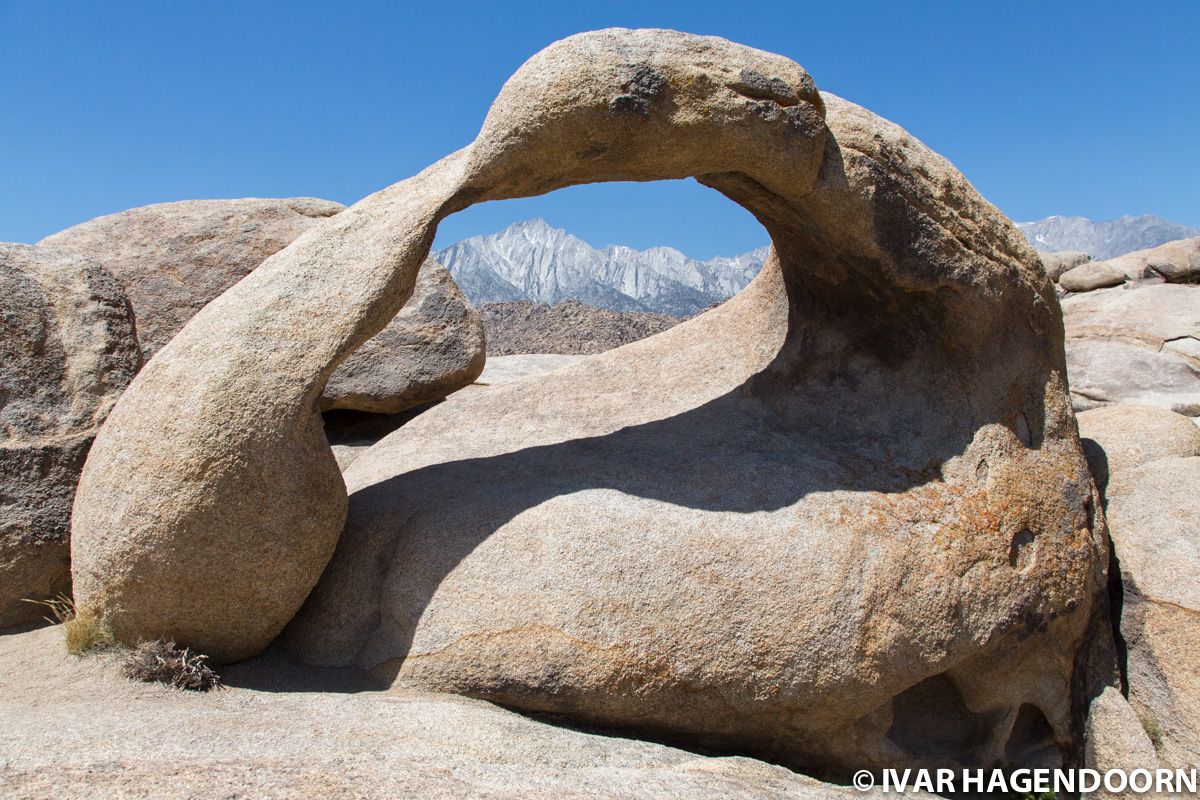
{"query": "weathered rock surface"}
[(67, 350), (1173, 262), (1119, 438), (433, 347), (351, 434), (1056, 263), (1093, 275), (502, 369), (72, 728), (1148, 460), (1154, 513), (175, 258), (700, 535), (1116, 740), (1137, 344)]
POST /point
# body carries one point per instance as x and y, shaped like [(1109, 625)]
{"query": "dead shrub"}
[(162, 661)]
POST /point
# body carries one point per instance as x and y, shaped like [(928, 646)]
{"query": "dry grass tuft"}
[(158, 661), (162, 662), (84, 630)]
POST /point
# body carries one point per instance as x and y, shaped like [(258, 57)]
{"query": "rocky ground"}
[(73, 728), (569, 327)]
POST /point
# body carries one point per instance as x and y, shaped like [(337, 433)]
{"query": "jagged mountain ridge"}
[(1104, 240), (534, 261)]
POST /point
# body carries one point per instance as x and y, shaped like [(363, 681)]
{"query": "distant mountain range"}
[(533, 261), (1104, 240)]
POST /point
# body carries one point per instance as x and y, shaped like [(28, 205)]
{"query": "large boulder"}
[(1119, 438), (1148, 460), (1138, 344), (175, 258), (539, 558), (433, 347), (67, 350), (1058, 262), (1093, 275), (1155, 517), (1173, 262), (843, 520)]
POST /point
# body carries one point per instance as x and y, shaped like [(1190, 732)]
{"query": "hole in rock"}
[(681, 214), (849, 347), (1021, 553), (932, 719), (639, 256), (1023, 432), (1031, 742)]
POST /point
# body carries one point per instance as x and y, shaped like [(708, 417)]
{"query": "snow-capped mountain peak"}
[(1103, 240), (532, 260)]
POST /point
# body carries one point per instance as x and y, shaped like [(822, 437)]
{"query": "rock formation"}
[(1173, 262), (175, 258), (1116, 739), (67, 349), (702, 535), (1058, 263), (1138, 343), (1089, 276), (1129, 436), (433, 347), (1151, 462)]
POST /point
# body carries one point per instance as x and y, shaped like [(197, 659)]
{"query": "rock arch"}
[(897, 300)]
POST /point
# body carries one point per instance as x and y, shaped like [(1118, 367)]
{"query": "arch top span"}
[(643, 105)]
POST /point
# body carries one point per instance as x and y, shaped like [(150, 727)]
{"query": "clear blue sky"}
[(1088, 108)]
